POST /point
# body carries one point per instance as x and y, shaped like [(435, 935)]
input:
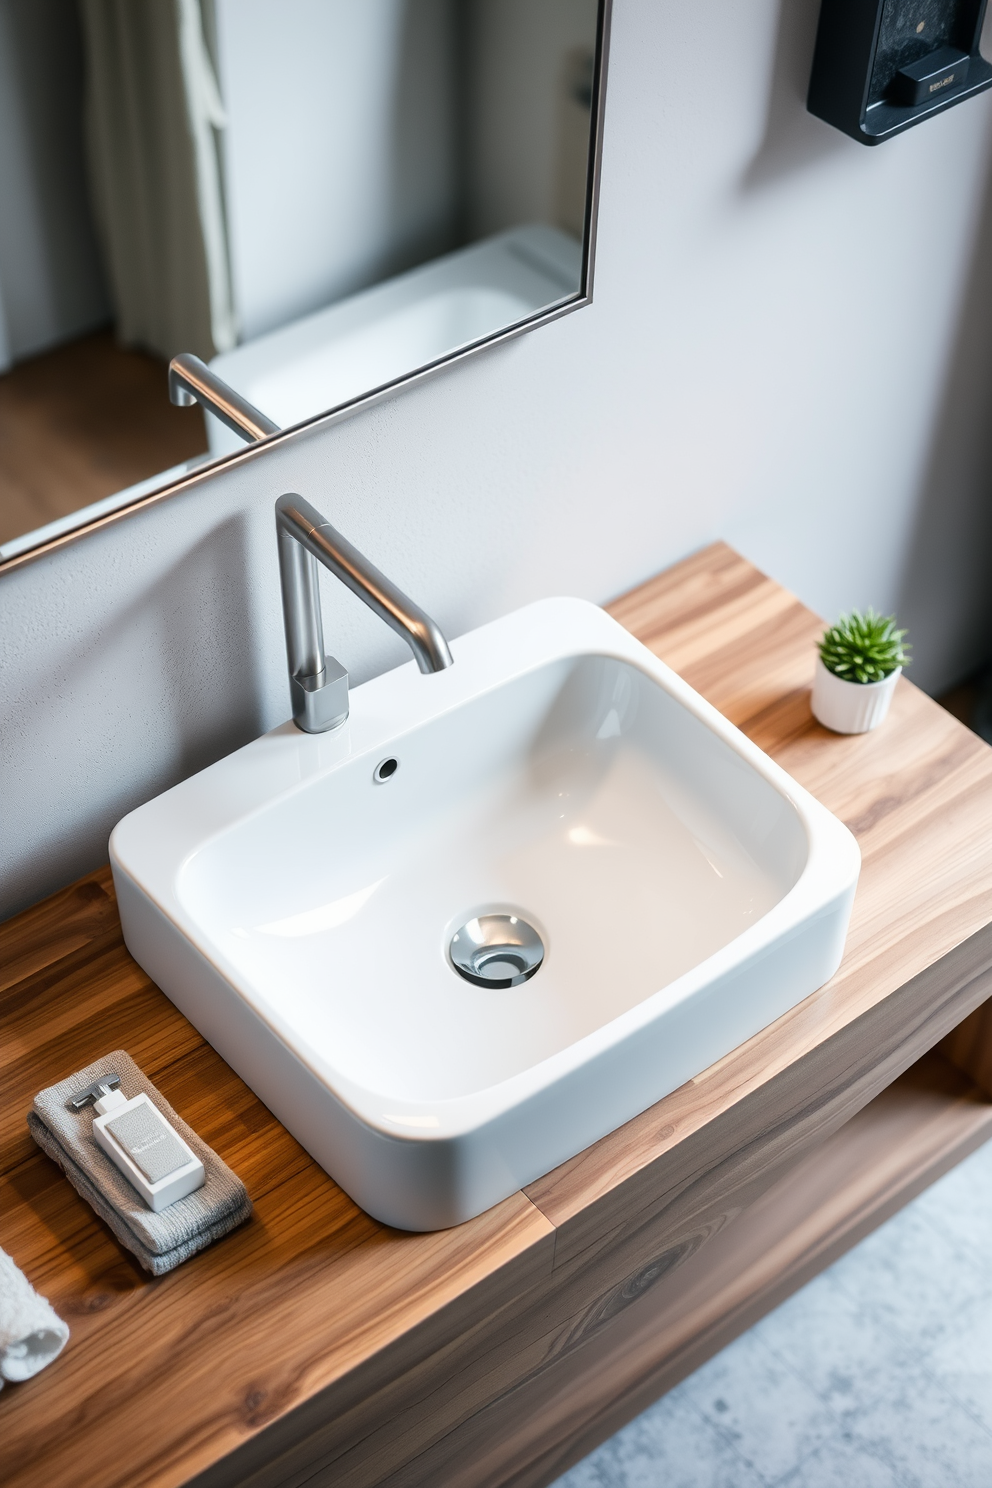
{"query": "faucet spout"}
[(191, 381), (318, 683)]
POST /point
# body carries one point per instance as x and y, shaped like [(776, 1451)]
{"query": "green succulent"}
[(864, 648)]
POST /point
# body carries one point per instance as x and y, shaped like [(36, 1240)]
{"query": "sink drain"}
[(496, 950)]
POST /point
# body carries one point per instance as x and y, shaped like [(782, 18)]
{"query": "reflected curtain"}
[(153, 112)]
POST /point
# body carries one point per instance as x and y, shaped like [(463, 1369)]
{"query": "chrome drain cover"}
[(496, 950)]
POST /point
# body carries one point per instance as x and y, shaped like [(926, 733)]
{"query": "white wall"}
[(789, 348), (51, 283), (339, 153)]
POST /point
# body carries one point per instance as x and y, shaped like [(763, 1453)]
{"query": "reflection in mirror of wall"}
[(321, 198)]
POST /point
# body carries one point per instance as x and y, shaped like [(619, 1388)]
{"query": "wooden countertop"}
[(315, 1345)]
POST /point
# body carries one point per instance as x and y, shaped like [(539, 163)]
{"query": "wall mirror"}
[(322, 199)]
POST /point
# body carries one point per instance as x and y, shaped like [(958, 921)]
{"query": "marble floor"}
[(878, 1374)]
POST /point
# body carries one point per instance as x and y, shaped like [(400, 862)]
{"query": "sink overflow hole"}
[(496, 950), (384, 770)]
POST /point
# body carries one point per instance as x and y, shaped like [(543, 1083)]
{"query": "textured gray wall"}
[(788, 349)]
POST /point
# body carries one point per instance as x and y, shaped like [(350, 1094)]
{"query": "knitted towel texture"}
[(160, 1241)]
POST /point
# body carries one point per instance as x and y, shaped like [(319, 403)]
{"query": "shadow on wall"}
[(51, 277), (210, 703), (793, 138), (426, 188), (220, 705), (946, 587)]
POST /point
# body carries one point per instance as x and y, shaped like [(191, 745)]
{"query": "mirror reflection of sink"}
[(557, 796), (375, 336)]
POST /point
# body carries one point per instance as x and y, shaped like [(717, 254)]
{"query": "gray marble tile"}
[(963, 1363), (912, 1279), (929, 1439), (761, 1405), (669, 1446), (838, 1465), (834, 1343)]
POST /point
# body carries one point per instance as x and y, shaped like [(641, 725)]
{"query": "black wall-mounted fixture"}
[(881, 66)]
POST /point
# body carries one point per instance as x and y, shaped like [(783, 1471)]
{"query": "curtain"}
[(153, 112)]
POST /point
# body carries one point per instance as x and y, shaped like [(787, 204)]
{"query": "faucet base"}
[(320, 703)]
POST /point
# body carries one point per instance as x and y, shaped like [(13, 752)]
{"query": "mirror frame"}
[(387, 390)]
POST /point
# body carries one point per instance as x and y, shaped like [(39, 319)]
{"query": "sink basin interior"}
[(581, 794)]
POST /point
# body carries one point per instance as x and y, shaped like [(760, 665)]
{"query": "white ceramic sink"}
[(686, 890)]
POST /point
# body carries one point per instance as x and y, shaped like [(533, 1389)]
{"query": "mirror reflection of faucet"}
[(323, 360), (191, 381)]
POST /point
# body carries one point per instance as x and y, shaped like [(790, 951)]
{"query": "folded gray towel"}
[(160, 1241), (31, 1332)]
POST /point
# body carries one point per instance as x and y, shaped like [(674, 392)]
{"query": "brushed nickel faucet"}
[(318, 683)]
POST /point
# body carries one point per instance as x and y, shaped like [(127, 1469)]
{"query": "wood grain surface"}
[(81, 422), (315, 1345)]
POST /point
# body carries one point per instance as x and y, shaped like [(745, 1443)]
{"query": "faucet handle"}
[(320, 703)]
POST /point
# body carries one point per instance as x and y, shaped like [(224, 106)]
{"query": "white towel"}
[(31, 1332)]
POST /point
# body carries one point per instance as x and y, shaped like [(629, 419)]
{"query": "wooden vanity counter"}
[(316, 1346)]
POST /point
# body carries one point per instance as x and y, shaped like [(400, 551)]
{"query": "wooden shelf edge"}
[(912, 1133)]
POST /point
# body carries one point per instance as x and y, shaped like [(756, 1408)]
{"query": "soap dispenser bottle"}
[(137, 1138)]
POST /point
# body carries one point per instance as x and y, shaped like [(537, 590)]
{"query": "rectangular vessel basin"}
[(300, 912)]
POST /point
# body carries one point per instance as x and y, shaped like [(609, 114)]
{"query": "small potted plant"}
[(856, 671)]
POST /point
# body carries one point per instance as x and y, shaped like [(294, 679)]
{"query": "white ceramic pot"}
[(850, 707)]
